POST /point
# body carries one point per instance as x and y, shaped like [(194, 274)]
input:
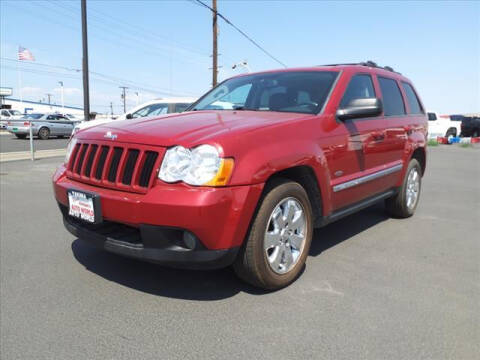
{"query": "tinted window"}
[(157, 109), (432, 117), (181, 107), (415, 107), (5, 113), (33, 116), (291, 91), (392, 97), (360, 87)]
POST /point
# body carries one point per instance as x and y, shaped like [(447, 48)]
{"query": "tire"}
[(451, 132), (44, 133), (292, 236), (400, 205), (21, 136)]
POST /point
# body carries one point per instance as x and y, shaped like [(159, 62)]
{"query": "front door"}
[(365, 138)]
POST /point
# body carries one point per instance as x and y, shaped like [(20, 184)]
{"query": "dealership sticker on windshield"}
[(83, 206)]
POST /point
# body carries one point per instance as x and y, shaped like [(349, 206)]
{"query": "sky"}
[(162, 48)]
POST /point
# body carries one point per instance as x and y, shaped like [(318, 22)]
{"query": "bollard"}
[(32, 152)]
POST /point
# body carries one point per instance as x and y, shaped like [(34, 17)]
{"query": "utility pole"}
[(49, 96), (111, 108), (86, 91), (215, 48), (138, 97), (61, 88), (124, 98)]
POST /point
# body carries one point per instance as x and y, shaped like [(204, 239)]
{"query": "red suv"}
[(248, 171)]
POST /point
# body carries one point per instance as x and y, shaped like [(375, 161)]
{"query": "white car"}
[(442, 126), (8, 114), (151, 108)]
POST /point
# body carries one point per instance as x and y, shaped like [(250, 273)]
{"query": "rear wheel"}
[(277, 245), (403, 204), (451, 132), (44, 133), (21, 136)]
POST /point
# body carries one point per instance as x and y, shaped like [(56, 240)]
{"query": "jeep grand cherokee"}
[(246, 173)]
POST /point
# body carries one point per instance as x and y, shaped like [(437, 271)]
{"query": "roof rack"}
[(368, 63)]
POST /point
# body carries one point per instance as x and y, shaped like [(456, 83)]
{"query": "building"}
[(26, 106)]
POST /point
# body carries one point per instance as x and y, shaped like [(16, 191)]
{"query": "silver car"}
[(43, 126)]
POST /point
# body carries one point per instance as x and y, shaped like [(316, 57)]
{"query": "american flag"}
[(25, 54)]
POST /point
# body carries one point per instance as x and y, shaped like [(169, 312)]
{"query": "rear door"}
[(397, 126)]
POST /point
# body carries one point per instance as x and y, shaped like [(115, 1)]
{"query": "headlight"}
[(199, 166), (70, 147)]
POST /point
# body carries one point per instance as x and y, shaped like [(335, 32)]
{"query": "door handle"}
[(378, 135)]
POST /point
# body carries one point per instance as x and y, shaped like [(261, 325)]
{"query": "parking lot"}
[(373, 288), (9, 143)]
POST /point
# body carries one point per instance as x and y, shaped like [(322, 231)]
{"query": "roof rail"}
[(368, 63)]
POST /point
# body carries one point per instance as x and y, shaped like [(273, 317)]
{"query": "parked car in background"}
[(74, 117), (8, 114), (470, 126), (440, 126), (151, 108), (43, 126), (245, 186)]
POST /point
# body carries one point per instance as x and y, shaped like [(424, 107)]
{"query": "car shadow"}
[(212, 284)]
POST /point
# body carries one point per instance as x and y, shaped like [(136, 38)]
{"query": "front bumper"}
[(148, 243), (218, 218)]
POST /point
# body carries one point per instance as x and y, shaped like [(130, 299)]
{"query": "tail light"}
[(26, 123)]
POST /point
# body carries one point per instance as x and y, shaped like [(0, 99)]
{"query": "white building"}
[(26, 106)]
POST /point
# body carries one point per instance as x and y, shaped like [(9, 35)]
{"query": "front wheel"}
[(277, 245), (404, 203)]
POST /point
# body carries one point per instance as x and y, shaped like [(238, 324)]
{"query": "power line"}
[(106, 78), (240, 31)]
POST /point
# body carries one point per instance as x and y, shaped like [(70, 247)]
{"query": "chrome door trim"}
[(366, 178)]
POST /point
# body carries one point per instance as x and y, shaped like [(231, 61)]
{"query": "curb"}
[(25, 155)]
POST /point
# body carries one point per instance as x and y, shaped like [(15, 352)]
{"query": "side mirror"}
[(359, 108), (128, 116)]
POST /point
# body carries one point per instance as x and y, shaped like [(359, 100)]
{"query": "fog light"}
[(190, 240)]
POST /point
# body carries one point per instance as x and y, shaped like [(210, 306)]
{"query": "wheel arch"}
[(420, 155), (305, 176)]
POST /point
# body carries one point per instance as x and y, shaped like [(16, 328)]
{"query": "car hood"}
[(189, 128)]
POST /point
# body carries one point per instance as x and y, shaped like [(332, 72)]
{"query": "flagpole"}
[(19, 76)]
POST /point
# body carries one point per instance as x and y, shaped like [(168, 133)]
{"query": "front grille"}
[(127, 167)]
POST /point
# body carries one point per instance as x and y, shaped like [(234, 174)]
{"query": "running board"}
[(343, 212)]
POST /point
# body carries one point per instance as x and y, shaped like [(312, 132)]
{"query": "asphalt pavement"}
[(373, 288), (10, 143)]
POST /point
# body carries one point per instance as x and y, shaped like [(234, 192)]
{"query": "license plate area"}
[(84, 206)]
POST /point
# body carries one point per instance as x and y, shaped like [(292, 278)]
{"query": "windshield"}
[(15, 112), (33, 116), (293, 91), (151, 110)]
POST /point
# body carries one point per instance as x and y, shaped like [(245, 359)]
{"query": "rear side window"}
[(360, 87), (415, 107), (392, 97), (432, 117)]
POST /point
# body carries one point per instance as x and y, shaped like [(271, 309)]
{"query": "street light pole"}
[(61, 89), (86, 91)]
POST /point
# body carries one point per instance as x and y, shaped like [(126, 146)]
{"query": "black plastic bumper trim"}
[(175, 256)]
